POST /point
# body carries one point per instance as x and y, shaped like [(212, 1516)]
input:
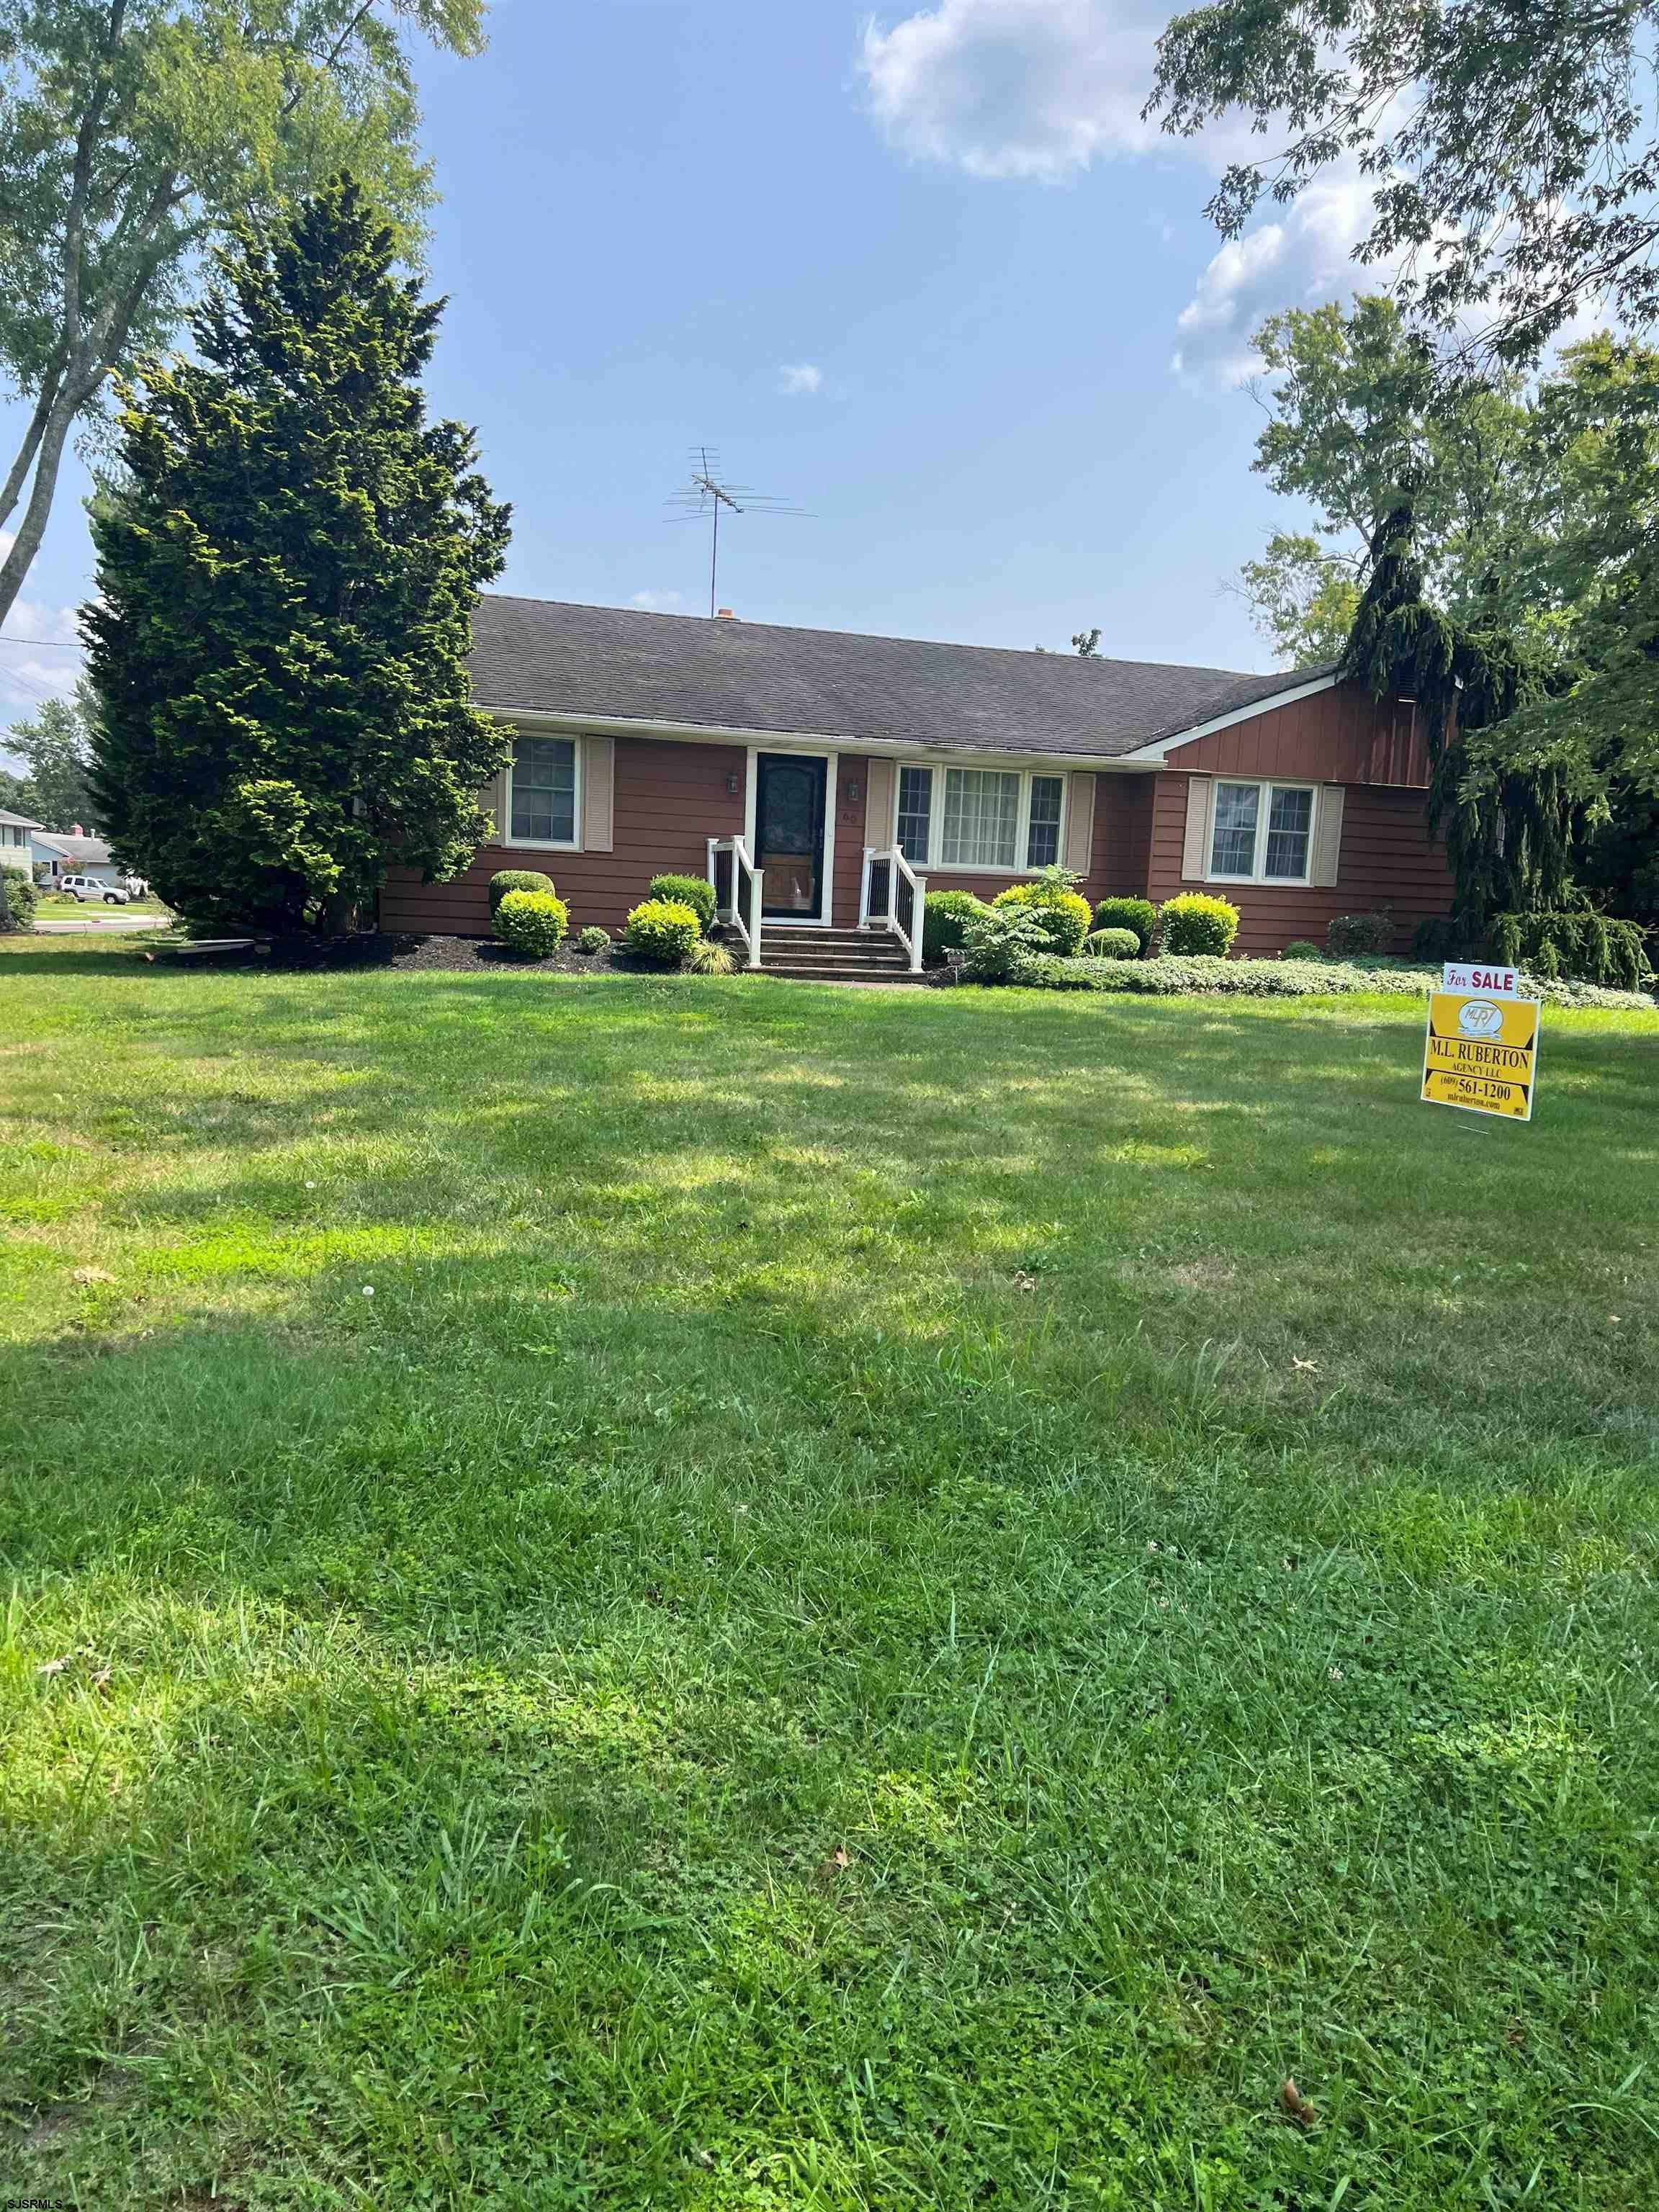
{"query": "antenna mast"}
[(707, 492)]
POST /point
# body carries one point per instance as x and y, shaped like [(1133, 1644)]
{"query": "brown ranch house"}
[(846, 773)]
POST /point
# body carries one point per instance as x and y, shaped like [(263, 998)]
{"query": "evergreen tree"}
[(287, 581)]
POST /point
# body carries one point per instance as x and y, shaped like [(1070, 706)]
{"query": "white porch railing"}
[(737, 900), (893, 896)]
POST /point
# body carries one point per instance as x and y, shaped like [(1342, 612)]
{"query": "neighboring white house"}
[(73, 854), (16, 847)]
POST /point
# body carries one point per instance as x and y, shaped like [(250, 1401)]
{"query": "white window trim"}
[(544, 844), (1022, 835), (1264, 787)]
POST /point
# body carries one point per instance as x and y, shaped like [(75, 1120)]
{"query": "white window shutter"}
[(878, 803), (598, 794), (1195, 846), (1327, 857), (1080, 789)]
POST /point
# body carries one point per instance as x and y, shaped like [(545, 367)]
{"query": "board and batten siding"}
[(1340, 736), (1386, 858), (667, 799)]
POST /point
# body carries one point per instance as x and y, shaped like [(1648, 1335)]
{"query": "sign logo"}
[(1479, 1053)]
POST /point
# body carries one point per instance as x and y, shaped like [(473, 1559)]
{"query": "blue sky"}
[(1015, 407)]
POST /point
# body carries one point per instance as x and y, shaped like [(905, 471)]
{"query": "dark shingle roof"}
[(614, 662)]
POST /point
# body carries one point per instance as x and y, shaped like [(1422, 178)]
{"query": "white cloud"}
[(1024, 88), (1301, 260), (1042, 89), (27, 677), (799, 380), (656, 603)]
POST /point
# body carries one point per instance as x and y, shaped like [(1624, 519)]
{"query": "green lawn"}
[(896, 1600)]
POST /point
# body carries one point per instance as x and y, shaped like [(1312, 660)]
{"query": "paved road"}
[(101, 923)]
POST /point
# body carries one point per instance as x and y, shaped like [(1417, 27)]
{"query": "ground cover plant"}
[(658, 1592), (1312, 977)]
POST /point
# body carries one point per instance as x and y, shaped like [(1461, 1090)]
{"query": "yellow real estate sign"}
[(1480, 1052)]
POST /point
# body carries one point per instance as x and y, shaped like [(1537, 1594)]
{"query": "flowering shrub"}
[(532, 923), (662, 930)]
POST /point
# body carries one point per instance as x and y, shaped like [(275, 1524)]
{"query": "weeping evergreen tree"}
[(286, 580), (1510, 834)]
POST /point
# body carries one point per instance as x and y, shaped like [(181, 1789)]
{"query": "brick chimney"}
[(76, 831), (724, 614)]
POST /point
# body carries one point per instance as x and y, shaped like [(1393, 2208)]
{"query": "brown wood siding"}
[(1339, 736), (669, 799), (1123, 834), (1388, 860), (846, 869)]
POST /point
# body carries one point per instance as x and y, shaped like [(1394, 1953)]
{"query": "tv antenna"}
[(708, 491)]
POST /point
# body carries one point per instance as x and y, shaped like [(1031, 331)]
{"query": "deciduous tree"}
[(131, 133)]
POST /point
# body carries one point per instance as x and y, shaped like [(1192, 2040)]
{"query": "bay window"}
[(540, 808), (1261, 832), (1000, 820)]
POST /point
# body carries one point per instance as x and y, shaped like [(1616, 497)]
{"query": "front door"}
[(790, 790)]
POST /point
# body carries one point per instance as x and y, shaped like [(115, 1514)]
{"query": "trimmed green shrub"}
[(1439, 937), (532, 923), (1299, 948), (18, 898), (1112, 945), (594, 940), (1585, 945), (1003, 944), (663, 930), (1138, 915), (695, 891), (1351, 934), (1205, 976), (1196, 922), (945, 916), (516, 879), (1065, 917)]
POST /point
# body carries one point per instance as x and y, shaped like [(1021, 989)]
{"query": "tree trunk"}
[(18, 561), (51, 385)]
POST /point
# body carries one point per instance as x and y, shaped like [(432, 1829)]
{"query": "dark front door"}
[(789, 796)]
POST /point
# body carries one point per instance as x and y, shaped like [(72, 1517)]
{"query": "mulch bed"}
[(458, 955)]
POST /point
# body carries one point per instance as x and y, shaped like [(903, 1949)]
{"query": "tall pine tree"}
[(287, 580)]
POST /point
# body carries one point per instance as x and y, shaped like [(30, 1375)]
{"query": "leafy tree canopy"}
[(1511, 151), (57, 753), (286, 584), (1302, 598), (132, 133)]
